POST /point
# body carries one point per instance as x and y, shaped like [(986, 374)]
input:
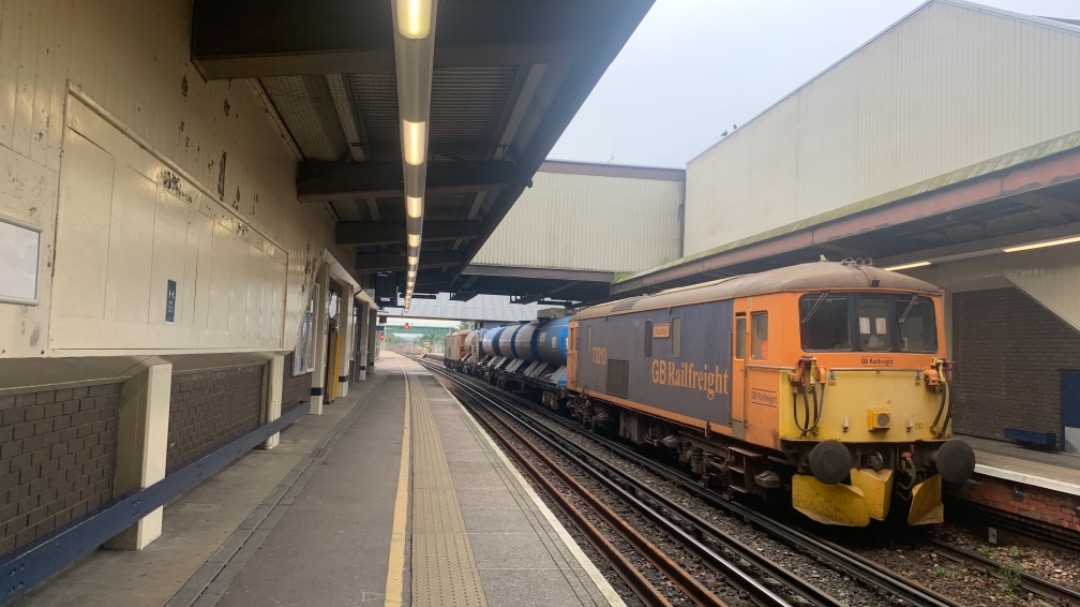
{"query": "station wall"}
[(209, 409), (296, 388), (1010, 352), (591, 221), (950, 86), (1014, 326), (137, 173), (169, 233), (57, 457)]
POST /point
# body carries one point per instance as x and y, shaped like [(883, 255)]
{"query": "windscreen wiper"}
[(814, 308), (911, 304)]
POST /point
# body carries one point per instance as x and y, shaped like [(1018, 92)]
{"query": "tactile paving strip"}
[(444, 572)]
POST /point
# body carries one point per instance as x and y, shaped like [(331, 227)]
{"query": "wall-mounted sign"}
[(20, 245), (170, 302)]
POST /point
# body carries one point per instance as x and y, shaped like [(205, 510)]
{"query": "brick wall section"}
[(57, 459), (295, 389), (208, 409), (1009, 353), (1036, 503)]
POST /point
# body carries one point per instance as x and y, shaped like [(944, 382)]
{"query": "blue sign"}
[(170, 303)]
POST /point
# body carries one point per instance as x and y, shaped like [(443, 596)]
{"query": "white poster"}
[(19, 245)]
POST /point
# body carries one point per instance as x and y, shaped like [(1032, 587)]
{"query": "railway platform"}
[(1027, 483), (394, 496)]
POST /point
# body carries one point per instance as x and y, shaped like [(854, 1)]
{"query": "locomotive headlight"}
[(877, 419)]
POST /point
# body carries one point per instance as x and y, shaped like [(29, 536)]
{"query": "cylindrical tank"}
[(525, 341), (551, 341), (472, 345), (505, 344), (489, 341)]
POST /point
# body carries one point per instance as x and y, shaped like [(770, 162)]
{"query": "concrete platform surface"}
[(311, 521), (1047, 470)]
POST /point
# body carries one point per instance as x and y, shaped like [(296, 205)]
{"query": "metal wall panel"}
[(949, 86), (589, 222), (129, 61), (495, 308)]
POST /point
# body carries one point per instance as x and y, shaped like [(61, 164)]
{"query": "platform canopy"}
[(507, 78)]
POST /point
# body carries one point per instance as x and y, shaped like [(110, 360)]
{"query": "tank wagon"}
[(826, 381)]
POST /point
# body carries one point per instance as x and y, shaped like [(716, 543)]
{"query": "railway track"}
[(1054, 593), (754, 570)]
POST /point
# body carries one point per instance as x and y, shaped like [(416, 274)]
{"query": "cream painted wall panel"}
[(588, 222), (86, 197), (131, 247), (201, 242), (947, 88), (132, 60), (221, 277), (170, 257)]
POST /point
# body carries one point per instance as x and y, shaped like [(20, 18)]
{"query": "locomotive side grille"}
[(618, 377)]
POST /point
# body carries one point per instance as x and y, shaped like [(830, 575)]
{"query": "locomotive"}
[(826, 382)]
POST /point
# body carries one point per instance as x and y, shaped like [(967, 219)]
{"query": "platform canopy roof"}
[(507, 78), (907, 151)]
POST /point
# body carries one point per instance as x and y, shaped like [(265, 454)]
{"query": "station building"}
[(205, 205), (947, 147)]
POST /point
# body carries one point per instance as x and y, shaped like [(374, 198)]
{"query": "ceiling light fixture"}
[(414, 18), (907, 266), (414, 141), (414, 206), (1042, 245), (414, 57)]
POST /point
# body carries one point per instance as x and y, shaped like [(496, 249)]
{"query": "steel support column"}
[(141, 445), (322, 321)]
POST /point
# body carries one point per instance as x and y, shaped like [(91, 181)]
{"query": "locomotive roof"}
[(819, 276)]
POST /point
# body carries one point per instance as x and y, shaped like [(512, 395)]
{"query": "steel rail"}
[(1051, 591), (868, 572), (676, 528), (682, 579)]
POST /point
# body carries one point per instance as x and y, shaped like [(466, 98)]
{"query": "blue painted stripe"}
[(534, 343), (513, 344), (30, 565)]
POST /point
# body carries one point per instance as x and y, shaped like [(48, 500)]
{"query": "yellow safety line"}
[(395, 574)]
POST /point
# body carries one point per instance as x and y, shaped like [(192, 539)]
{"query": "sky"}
[(695, 68)]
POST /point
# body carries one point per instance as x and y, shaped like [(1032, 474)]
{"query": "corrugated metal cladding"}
[(482, 307), (950, 86), (589, 222)]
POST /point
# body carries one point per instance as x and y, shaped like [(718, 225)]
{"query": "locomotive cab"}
[(868, 404)]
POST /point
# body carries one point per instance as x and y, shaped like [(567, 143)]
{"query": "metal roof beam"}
[(393, 232), (334, 181), (260, 38), (367, 263)]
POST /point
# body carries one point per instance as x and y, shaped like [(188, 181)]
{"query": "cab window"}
[(648, 338), (676, 337), (915, 316), (759, 335), (826, 324), (872, 314)]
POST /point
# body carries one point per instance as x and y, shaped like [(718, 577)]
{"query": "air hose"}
[(819, 404), (945, 407)]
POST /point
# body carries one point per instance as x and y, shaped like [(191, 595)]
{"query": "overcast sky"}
[(694, 68)]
